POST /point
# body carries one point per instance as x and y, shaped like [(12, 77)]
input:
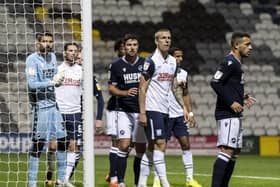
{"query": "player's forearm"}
[(117, 92), (142, 95), (100, 107), (34, 84), (187, 103)]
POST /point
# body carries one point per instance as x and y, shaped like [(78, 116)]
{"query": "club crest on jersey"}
[(218, 74), (229, 63), (140, 68), (146, 66), (124, 69)]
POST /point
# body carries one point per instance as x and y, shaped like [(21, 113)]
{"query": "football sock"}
[(33, 169), (61, 164), (113, 155), (136, 167), (219, 169), (122, 163), (51, 164), (77, 158), (146, 163), (229, 170), (70, 164), (159, 163), (188, 163)]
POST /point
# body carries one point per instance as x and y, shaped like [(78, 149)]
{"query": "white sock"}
[(156, 178), (71, 157), (188, 163), (160, 167), (146, 163)]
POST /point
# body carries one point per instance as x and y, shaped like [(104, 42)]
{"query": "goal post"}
[(88, 93)]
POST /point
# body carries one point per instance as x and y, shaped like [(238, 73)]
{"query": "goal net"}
[(20, 21)]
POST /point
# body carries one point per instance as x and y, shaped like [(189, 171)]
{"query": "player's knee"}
[(160, 144), (37, 148), (62, 144)]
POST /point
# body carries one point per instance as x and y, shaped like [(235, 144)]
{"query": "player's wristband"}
[(191, 114)]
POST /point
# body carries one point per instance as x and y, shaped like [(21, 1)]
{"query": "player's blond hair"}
[(157, 34)]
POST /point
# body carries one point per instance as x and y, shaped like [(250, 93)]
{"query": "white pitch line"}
[(235, 176)]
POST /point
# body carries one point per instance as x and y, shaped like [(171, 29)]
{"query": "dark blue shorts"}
[(73, 125), (157, 125), (177, 127)]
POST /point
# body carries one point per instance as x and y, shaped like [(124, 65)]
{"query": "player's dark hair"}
[(173, 49), (119, 42), (69, 44), (237, 36), (41, 34), (130, 37)]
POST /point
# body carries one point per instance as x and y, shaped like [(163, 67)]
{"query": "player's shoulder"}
[(116, 63), (31, 57), (230, 61)]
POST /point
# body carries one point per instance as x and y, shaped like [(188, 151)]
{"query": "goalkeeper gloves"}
[(58, 79)]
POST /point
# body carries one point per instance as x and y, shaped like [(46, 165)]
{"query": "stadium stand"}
[(201, 28)]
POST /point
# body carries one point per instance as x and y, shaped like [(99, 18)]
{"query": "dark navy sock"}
[(136, 168), (113, 155), (229, 171), (122, 163), (219, 169)]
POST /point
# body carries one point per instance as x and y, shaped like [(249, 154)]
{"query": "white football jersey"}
[(161, 79), (175, 108), (68, 95)]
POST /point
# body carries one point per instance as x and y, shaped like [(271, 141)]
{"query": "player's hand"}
[(98, 126), (189, 118), (249, 100), (132, 92), (236, 107), (58, 79), (143, 119)]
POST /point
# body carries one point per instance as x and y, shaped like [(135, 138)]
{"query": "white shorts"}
[(230, 133), (128, 127), (111, 118)]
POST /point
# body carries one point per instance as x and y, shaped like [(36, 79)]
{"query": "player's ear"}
[(156, 42)]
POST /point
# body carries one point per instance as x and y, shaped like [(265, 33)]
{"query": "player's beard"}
[(46, 50)]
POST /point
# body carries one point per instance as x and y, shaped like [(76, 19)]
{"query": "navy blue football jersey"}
[(228, 83), (125, 76)]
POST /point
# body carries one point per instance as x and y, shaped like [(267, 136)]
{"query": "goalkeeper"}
[(42, 77)]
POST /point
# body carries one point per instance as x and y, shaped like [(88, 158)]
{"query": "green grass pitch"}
[(250, 171)]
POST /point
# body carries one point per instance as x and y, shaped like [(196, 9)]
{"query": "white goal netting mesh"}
[(20, 20)]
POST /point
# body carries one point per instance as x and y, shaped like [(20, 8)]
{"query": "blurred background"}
[(202, 28)]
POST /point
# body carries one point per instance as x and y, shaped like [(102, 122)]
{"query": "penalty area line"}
[(235, 176)]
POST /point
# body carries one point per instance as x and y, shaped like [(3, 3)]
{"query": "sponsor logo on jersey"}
[(165, 77), (48, 73), (131, 78)]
